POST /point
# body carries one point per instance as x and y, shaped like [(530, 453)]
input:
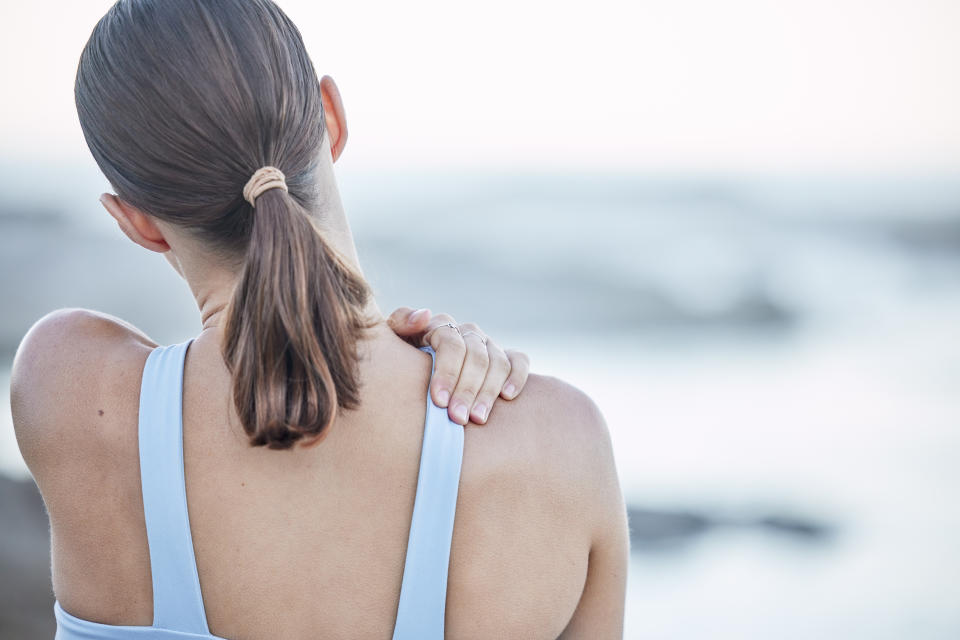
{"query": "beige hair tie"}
[(263, 180)]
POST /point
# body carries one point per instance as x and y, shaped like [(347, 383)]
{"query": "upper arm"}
[(539, 545), (64, 365), (74, 394), (599, 614)]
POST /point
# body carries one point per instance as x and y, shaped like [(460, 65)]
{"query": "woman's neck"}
[(212, 283)]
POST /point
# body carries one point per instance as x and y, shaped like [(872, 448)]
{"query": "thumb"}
[(406, 322)]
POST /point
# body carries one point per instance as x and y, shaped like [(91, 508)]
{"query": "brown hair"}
[(180, 102)]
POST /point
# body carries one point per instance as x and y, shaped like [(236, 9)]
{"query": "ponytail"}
[(292, 328), (246, 93)]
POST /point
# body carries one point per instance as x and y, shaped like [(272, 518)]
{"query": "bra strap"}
[(423, 592), (177, 601)]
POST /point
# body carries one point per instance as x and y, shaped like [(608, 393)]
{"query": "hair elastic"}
[(262, 180)]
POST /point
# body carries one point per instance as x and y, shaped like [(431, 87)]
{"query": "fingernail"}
[(460, 412), (509, 390), (480, 412), (416, 316), (443, 397)]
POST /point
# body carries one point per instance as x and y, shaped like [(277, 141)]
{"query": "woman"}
[(357, 512)]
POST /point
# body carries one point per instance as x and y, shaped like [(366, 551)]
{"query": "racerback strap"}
[(423, 593), (177, 601)]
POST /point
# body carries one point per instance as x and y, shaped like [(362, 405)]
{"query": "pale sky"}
[(675, 85)]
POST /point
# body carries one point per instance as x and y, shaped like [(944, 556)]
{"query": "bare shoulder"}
[(553, 430), (537, 490), (68, 373), (74, 394)]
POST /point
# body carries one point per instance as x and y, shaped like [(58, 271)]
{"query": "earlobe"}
[(336, 118), (135, 224)]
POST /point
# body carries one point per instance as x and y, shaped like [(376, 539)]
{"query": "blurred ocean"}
[(778, 359)]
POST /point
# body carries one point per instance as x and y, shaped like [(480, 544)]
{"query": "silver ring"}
[(426, 336), (452, 326), (476, 333)]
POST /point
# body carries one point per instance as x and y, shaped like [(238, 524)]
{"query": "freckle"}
[(243, 484), (100, 411)]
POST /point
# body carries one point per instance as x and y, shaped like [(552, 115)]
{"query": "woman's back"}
[(311, 542), (303, 416)]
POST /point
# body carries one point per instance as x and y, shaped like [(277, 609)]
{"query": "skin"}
[(310, 542)]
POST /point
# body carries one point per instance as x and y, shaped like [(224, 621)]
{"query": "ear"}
[(137, 225), (335, 116)]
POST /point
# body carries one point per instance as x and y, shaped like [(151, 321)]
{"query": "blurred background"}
[(736, 225)]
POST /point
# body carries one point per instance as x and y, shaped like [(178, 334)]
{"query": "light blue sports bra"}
[(178, 611)]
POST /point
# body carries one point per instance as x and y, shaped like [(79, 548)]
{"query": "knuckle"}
[(519, 357), (446, 379), (496, 353), (479, 358), (466, 392), (500, 365), (453, 345)]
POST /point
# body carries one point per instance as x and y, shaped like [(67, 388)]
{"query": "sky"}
[(745, 85)]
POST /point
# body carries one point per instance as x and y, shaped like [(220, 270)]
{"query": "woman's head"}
[(181, 102)]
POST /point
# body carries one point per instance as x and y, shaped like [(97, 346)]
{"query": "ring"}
[(451, 325), (426, 336), (476, 333)]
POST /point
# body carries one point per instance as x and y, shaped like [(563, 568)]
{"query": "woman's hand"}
[(471, 371)]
